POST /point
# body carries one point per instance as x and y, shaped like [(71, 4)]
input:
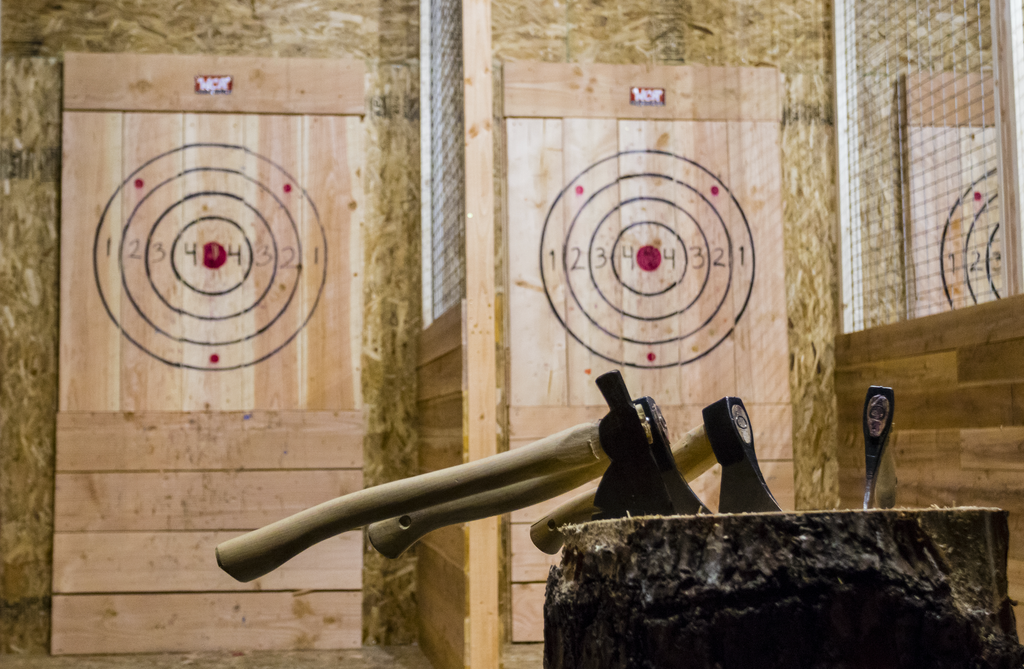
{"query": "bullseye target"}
[(647, 259), (971, 248), (210, 257)]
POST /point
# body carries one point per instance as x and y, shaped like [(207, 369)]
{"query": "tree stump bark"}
[(836, 589)]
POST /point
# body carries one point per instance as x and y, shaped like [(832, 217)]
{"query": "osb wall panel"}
[(386, 34), (792, 35)]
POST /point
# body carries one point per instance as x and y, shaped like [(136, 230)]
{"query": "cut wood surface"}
[(135, 562), (219, 500), (100, 624), (158, 441), (598, 91), (165, 82)]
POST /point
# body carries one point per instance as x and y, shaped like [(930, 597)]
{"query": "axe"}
[(880, 469), (726, 437), (497, 484)]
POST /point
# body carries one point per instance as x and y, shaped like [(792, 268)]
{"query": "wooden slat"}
[(1004, 34), (527, 612), (190, 500), (331, 341), (980, 406), (537, 340), (950, 99), (914, 374), (442, 336), (138, 562), (603, 91), (992, 448), (991, 363), (90, 342), (441, 603), (148, 383), (166, 82), (96, 624), (981, 324), (529, 563), (440, 377), (158, 441)]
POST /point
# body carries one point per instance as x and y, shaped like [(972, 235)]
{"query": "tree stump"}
[(836, 589)]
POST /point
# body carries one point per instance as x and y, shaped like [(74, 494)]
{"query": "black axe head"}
[(642, 478), (732, 438), (878, 411)]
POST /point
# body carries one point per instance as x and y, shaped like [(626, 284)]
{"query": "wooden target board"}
[(645, 238), (954, 236), (211, 314)]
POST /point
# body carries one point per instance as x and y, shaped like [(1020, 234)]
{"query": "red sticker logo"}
[(647, 97), (213, 84)]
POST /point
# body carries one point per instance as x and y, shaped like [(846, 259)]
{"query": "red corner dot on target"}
[(714, 190), (977, 196), (651, 357), (579, 190), (287, 188), (139, 183), (214, 359)]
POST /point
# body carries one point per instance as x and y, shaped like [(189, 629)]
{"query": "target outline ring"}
[(618, 238), (959, 204), (174, 265)]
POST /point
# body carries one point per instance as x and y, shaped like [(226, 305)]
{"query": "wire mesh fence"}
[(919, 170), (447, 156)]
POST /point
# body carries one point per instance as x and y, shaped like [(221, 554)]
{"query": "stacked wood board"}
[(211, 318), (644, 233), (958, 429)]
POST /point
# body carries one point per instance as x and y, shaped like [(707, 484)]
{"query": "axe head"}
[(642, 478), (732, 439), (878, 411)]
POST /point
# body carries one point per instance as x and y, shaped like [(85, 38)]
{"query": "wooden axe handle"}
[(259, 552), (693, 456), (394, 536)]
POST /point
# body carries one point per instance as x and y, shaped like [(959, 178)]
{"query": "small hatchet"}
[(726, 437), (880, 469)]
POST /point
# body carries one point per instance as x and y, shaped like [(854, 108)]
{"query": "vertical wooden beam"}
[(1004, 13), (480, 416)]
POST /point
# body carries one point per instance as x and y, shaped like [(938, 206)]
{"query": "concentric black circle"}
[(665, 314), (973, 260), (190, 313)]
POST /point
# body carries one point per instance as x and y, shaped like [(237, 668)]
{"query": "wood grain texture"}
[(137, 562), (596, 91), (167, 83), (217, 500), (950, 99), (527, 612), (158, 441), (96, 624)]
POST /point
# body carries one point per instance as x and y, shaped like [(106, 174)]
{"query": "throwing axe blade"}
[(878, 412), (732, 438), (639, 481)]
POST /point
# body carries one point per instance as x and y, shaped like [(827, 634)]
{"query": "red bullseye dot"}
[(651, 357), (139, 183), (214, 255), (287, 188), (214, 359), (648, 258), (977, 197), (714, 190), (579, 190)]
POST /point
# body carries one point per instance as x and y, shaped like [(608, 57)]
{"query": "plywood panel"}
[(93, 562), (145, 381), (215, 500), (164, 82), (527, 612), (158, 441), (90, 343), (96, 624)]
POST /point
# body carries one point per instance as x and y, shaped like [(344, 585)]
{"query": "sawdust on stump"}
[(849, 589)]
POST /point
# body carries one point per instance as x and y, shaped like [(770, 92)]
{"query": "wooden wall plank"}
[(999, 448), (440, 337), (950, 99), (96, 624), (441, 377), (603, 91), (537, 340), (990, 363), (527, 612), (92, 562), (529, 564), (158, 441), (165, 82), (148, 383), (441, 599), (218, 500), (332, 339), (90, 342)]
